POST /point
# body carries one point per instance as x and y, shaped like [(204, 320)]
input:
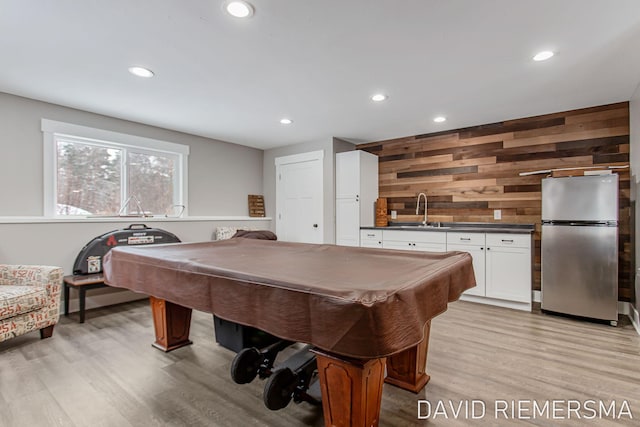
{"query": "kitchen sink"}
[(419, 227)]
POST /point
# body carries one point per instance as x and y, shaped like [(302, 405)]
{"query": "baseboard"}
[(102, 300), (537, 296), (523, 306), (624, 308), (635, 318), (627, 309)]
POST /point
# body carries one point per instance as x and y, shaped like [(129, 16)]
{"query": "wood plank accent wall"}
[(467, 173)]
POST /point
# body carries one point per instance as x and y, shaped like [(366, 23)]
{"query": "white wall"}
[(634, 119), (340, 146), (221, 175), (58, 243)]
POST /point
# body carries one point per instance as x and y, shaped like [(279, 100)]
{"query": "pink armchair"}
[(29, 299)]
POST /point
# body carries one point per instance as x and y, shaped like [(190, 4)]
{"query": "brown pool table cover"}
[(356, 302)]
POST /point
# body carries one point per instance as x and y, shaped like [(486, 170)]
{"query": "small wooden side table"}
[(82, 283)]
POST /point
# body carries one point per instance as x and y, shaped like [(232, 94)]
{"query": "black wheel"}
[(278, 391), (244, 366)]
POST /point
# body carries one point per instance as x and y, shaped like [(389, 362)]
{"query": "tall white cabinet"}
[(356, 193)]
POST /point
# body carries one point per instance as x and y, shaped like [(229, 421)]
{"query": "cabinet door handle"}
[(507, 240), (482, 249), (371, 235), (315, 225), (465, 238), (488, 249)]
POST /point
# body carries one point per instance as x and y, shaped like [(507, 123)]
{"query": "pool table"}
[(362, 309)]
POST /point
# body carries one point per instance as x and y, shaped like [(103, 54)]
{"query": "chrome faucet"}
[(425, 207)]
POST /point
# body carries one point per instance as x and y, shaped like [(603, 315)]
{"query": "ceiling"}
[(318, 63)]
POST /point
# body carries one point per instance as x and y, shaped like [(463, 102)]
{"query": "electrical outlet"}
[(394, 214), (497, 214)]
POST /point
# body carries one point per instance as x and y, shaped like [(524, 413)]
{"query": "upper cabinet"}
[(356, 193), (356, 175)]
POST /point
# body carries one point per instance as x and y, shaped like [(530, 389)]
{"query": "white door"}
[(299, 207)]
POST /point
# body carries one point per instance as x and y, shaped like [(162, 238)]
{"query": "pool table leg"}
[(407, 370), (171, 323), (351, 390)]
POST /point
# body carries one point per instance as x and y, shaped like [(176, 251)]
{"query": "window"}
[(96, 172)]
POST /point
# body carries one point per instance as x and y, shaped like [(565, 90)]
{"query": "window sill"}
[(129, 219)]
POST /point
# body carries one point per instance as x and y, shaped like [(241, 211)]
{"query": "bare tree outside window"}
[(151, 181), (88, 179), (96, 179)]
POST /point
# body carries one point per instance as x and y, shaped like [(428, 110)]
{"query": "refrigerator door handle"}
[(582, 223)]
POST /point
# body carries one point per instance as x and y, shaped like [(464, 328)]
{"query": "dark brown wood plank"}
[(610, 158), (435, 172), (501, 127)]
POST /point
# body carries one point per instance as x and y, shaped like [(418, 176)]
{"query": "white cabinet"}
[(502, 266), (474, 243), (356, 193), (347, 222), (509, 267), (371, 238), (501, 261), (429, 241)]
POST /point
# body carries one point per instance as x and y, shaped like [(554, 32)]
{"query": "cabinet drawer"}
[(509, 240), (475, 239), (415, 236), (371, 235)]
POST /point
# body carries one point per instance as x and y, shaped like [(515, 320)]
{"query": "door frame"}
[(292, 159)]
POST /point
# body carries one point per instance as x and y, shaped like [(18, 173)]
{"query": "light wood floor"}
[(105, 372)]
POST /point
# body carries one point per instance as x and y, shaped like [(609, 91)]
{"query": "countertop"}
[(471, 227)]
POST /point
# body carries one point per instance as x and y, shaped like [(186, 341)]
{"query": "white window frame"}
[(52, 130)]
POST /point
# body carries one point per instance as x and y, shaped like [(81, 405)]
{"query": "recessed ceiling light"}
[(239, 9), (141, 72), (286, 121), (439, 119), (543, 56), (378, 97)]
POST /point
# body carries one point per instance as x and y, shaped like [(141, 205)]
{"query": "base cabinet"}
[(501, 261), (427, 241), (474, 243), (502, 266), (508, 268), (371, 238)]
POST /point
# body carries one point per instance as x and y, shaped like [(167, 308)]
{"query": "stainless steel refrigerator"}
[(580, 246)]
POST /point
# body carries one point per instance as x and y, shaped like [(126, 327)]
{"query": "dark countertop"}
[(471, 227)]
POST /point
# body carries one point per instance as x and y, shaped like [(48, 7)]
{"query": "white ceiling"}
[(318, 62)]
